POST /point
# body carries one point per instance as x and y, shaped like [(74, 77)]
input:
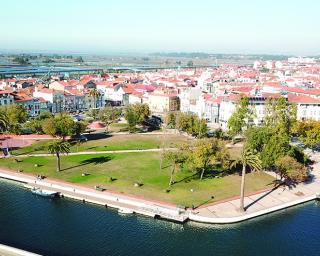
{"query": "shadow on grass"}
[(94, 160), (188, 178), (35, 150)]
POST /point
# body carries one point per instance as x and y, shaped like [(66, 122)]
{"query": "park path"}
[(103, 152)]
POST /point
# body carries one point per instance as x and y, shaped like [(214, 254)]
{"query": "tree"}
[(240, 119), (191, 124), (247, 159), (176, 159), (21, 60), (207, 153), (94, 93), (190, 63), (290, 170), (62, 126), (93, 113), (131, 119), (141, 111), (57, 148), (16, 115), (4, 123), (280, 115), (308, 131), (170, 120), (200, 127), (109, 115), (35, 125), (79, 59)]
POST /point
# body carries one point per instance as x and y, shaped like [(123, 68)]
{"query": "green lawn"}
[(116, 142), (142, 167)]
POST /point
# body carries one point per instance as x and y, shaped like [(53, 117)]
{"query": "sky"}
[(106, 26)]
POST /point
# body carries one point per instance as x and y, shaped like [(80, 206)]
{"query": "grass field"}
[(116, 142), (143, 167)]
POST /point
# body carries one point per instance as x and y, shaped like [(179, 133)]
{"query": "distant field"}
[(143, 167), (116, 142)]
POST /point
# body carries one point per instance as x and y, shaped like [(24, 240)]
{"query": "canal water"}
[(66, 227)]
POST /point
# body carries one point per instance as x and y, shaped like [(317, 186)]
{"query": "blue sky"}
[(102, 26)]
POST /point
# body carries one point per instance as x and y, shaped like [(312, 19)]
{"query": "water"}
[(65, 227)]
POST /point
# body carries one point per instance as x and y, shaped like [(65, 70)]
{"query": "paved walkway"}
[(11, 251), (103, 152), (261, 203)]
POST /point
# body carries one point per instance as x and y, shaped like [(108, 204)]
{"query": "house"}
[(6, 97), (28, 102), (55, 97), (161, 101)]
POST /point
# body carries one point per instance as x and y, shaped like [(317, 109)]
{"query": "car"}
[(83, 138)]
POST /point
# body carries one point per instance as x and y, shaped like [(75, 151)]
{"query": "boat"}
[(44, 192), (125, 211)]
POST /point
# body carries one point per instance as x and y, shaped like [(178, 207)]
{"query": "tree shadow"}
[(187, 179), (263, 196), (94, 160), (203, 203)]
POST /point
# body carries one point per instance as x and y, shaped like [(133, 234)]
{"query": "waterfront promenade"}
[(223, 212)]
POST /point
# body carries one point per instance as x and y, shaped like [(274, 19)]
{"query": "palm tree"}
[(4, 123), (95, 94), (58, 147), (247, 159)]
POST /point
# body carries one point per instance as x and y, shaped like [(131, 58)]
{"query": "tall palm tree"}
[(247, 159), (58, 147), (95, 94), (4, 123)]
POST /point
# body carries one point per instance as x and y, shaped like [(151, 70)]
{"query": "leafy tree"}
[(62, 126), (79, 59), (257, 137), (45, 115), (16, 115), (200, 127), (191, 124), (109, 115), (277, 146), (57, 148), (290, 170), (207, 153), (308, 131), (94, 93), (49, 127), (240, 119), (280, 115), (247, 159), (21, 60), (170, 120), (131, 119), (35, 125), (93, 113), (190, 63), (4, 122), (141, 111)]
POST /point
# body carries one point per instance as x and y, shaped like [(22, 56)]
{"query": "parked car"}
[(83, 138)]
